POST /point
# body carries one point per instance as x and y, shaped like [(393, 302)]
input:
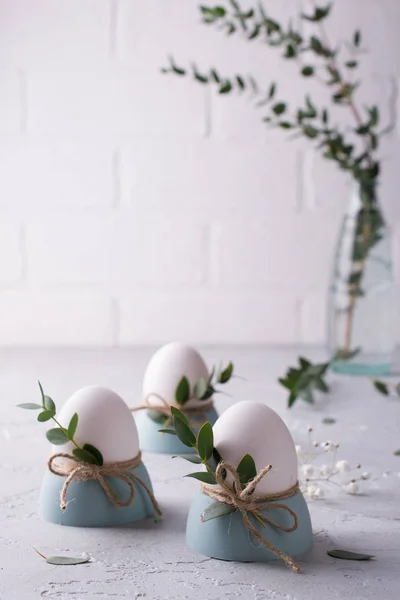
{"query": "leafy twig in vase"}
[(61, 435), (353, 150)]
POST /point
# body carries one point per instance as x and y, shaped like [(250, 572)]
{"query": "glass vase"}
[(362, 314)]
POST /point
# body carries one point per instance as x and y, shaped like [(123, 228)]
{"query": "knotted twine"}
[(243, 500), (83, 471), (165, 408)]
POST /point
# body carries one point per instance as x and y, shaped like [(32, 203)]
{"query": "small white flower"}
[(319, 493), (308, 470), (352, 488), (311, 490), (298, 450), (366, 476), (315, 444), (328, 446), (343, 466), (326, 470)]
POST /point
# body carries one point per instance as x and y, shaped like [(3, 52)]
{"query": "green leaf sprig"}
[(304, 380), (61, 435), (203, 389), (353, 149), (317, 59), (206, 454)]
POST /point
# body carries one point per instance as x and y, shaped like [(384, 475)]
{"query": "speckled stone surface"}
[(151, 561)]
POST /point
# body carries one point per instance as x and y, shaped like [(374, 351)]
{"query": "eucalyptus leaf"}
[(49, 403), (348, 555), (182, 392), (170, 431), (215, 510), (66, 560), (30, 406), (200, 388), (184, 433), (381, 387), (45, 415), (73, 424), (57, 436), (328, 421), (94, 452), (226, 374), (156, 416), (205, 441), (84, 456), (396, 453), (246, 469), (179, 415), (192, 458), (42, 393), (203, 476)]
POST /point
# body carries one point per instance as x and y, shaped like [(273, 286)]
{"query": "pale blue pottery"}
[(88, 506), (151, 440), (227, 538)]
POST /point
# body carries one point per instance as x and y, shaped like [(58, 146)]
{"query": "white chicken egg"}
[(104, 420), (167, 367), (254, 428)]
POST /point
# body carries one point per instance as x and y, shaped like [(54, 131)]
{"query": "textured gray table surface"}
[(150, 560)]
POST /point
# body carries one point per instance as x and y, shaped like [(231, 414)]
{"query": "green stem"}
[(65, 431)]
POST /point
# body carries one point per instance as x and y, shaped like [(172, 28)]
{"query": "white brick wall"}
[(139, 208)]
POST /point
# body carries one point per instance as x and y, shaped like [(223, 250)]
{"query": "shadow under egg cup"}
[(227, 538), (151, 440), (88, 506)]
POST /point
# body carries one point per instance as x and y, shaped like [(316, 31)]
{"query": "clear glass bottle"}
[(362, 314)]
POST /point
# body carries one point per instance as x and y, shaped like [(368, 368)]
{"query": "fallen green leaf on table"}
[(304, 380), (381, 387), (63, 560), (328, 421), (396, 452), (348, 555)]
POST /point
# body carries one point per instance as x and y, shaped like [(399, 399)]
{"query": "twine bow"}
[(243, 500), (82, 471), (165, 408)]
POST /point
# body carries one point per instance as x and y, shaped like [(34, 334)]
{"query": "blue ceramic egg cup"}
[(151, 440), (227, 538), (88, 506)]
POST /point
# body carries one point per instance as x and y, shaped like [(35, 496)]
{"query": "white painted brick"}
[(37, 176), (290, 253), (210, 178), (112, 103), (10, 252), (210, 316), (118, 250), (10, 102), (34, 32), (55, 319)]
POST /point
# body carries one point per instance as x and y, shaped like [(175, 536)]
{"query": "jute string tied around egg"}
[(165, 407), (243, 500), (83, 471)]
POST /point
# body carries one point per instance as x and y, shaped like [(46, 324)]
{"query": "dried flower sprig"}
[(315, 479), (61, 435), (202, 390)]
